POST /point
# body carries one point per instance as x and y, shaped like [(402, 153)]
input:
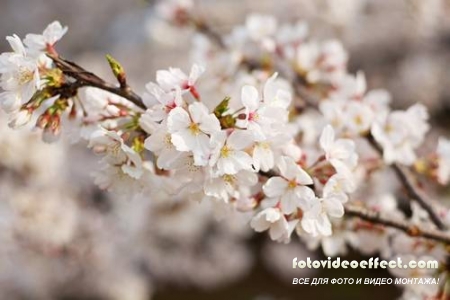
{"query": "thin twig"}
[(411, 229), (86, 78), (412, 191)]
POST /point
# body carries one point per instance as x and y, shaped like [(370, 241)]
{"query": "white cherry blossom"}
[(229, 154), (290, 188), (172, 78), (39, 43), (19, 76), (339, 152), (400, 133), (272, 219), (190, 130)]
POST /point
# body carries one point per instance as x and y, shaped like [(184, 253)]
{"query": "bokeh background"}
[(63, 238)]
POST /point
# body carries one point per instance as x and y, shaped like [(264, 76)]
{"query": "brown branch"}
[(86, 78), (412, 191), (204, 28), (411, 229)]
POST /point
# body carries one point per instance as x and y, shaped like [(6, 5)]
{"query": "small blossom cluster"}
[(24, 73)]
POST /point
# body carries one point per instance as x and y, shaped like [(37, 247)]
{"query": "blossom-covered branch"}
[(309, 99), (230, 133)]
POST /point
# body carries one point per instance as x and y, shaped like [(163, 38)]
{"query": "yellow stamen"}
[(195, 130), (225, 151)]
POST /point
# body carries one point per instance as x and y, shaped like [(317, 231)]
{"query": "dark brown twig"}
[(411, 229), (86, 78), (411, 190)]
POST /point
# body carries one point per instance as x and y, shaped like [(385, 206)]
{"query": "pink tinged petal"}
[(198, 111), (291, 226), (216, 187), (242, 160), (54, 32), (256, 131), (168, 158), (226, 165), (183, 140), (259, 223), (156, 141), (272, 215), (16, 44), (334, 207), (278, 229), (275, 187), (289, 202), (282, 99), (292, 171), (250, 98), (264, 219), (132, 171), (324, 225), (406, 155), (177, 120), (239, 139), (155, 93), (210, 124), (201, 144), (282, 165), (309, 226), (270, 89), (306, 196), (195, 73), (389, 154), (327, 138), (302, 177), (246, 178), (178, 97), (342, 149), (334, 246), (263, 158)]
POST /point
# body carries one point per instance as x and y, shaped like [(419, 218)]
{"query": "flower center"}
[(292, 184), (253, 116), (228, 178), (168, 141), (263, 145), (195, 130), (25, 75), (225, 151), (358, 120)]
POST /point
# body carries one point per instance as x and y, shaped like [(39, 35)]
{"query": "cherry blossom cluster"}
[(268, 122)]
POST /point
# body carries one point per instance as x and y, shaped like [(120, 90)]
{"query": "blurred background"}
[(63, 238)]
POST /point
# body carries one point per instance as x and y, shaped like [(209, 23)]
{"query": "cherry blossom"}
[(291, 187), (273, 220), (190, 131), (400, 133)]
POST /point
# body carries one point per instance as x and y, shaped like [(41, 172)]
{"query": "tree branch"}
[(411, 229), (311, 100), (412, 191), (86, 78)]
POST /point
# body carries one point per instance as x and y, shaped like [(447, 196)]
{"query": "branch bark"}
[(86, 78), (411, 229), (405, 177)]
